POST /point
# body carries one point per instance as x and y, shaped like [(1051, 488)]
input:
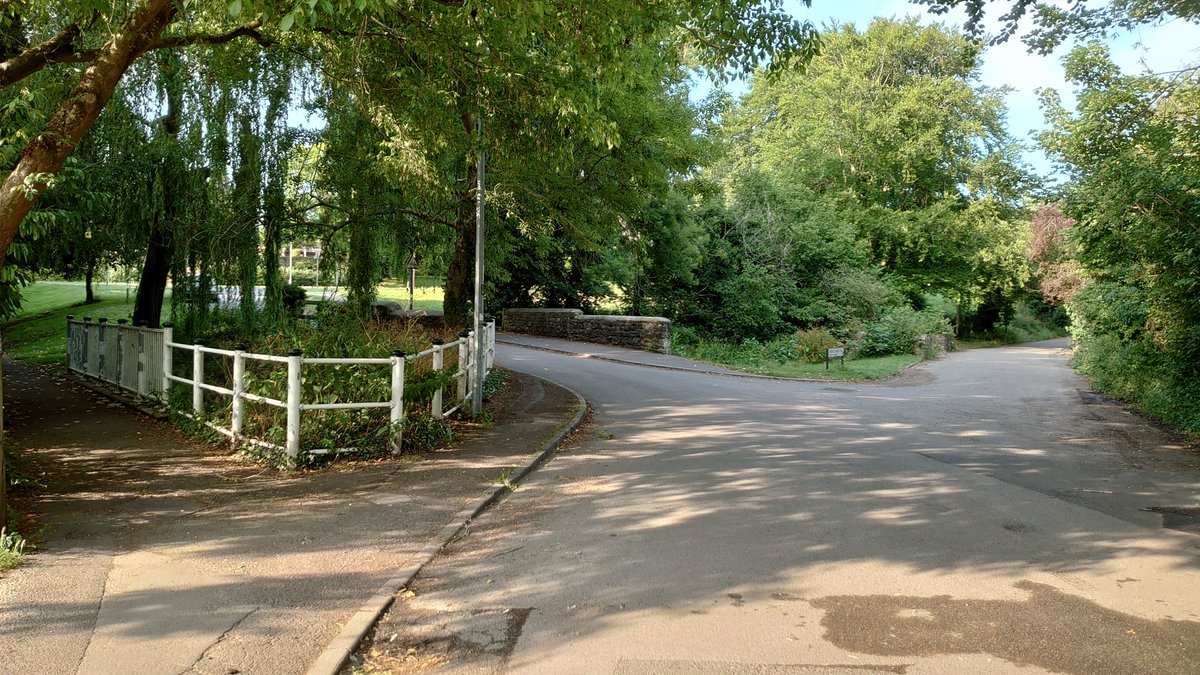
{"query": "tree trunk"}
[(152, 286), (50, 148), (460, 289), (89, 293)]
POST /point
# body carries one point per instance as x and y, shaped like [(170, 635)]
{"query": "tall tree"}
[(37, 36), (538, 74), (1131, 148), (1054, 24), (894, 120)]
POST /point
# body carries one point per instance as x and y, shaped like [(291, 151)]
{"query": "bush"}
[(899, 329), (813, 344), (335, 333), (683, 338), (294, 299)]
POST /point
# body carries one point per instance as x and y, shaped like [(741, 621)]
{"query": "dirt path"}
[(164, 555)]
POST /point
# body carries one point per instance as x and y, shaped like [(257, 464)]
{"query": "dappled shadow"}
[(155, 539), (973, 478)]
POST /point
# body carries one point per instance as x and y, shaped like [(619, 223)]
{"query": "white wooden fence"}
[(142, 360)]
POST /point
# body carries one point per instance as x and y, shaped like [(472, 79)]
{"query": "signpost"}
[(835, 353)]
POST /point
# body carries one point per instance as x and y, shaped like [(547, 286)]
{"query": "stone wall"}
[(649, 333)]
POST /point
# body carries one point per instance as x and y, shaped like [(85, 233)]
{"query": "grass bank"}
[(778, 358), (38, 332)]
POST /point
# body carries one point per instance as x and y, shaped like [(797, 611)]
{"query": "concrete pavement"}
[(163, 555)]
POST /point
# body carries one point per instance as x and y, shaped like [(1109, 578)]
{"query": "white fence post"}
[(489, 347), (90, 347), (464, 366), (239, 390), (72, 344), (436, 406), (167, 353), (120, 373), (472, 375), (197, 377), (143, 387), (102, 348), (295, 359), (397, 400)]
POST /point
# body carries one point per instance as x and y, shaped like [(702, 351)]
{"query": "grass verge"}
[(870, 368), (38, 333)]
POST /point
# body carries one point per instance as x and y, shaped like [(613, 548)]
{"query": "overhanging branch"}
[(61, 49)]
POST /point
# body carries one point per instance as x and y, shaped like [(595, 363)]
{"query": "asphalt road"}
[(983, 513)]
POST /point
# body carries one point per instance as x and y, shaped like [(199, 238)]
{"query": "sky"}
[(1160, 48)]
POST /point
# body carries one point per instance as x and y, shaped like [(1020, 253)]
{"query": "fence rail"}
[(130, 357), (142, 361)]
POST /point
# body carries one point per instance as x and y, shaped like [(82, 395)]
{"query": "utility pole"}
[(480, 347)]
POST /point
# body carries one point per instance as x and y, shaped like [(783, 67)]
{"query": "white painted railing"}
[(130, 357), (142, 360)]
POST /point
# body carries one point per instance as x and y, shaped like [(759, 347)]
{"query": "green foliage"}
[(780, 358), (1130, 214), (494, 383), (899, 331), (1054, 24), (851, 189), (294, 298), (336, 332), (12, 549), (813, 345), (748, 354)]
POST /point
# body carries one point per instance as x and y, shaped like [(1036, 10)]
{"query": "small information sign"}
[(835, 353)]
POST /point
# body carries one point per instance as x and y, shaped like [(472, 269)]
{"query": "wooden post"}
[(89, 346), (464, 365), (239, 390), (102, 348), (142, 384), (197, 377), (436, 406), (167, 353), (295, 360), (397, 417), (119, 371)]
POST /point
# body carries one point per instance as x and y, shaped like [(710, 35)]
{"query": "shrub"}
[(294, 299), (12, 549), (336, 332), (683, 338), (814, 343), (898, 331)]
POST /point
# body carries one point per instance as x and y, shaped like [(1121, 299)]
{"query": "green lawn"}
[(428, 294), (38, 333), (870, 368)]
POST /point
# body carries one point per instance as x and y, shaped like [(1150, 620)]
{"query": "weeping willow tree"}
[(213, 203), (366, 207)]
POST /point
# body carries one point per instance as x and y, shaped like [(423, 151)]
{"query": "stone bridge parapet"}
[(648, 333)]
